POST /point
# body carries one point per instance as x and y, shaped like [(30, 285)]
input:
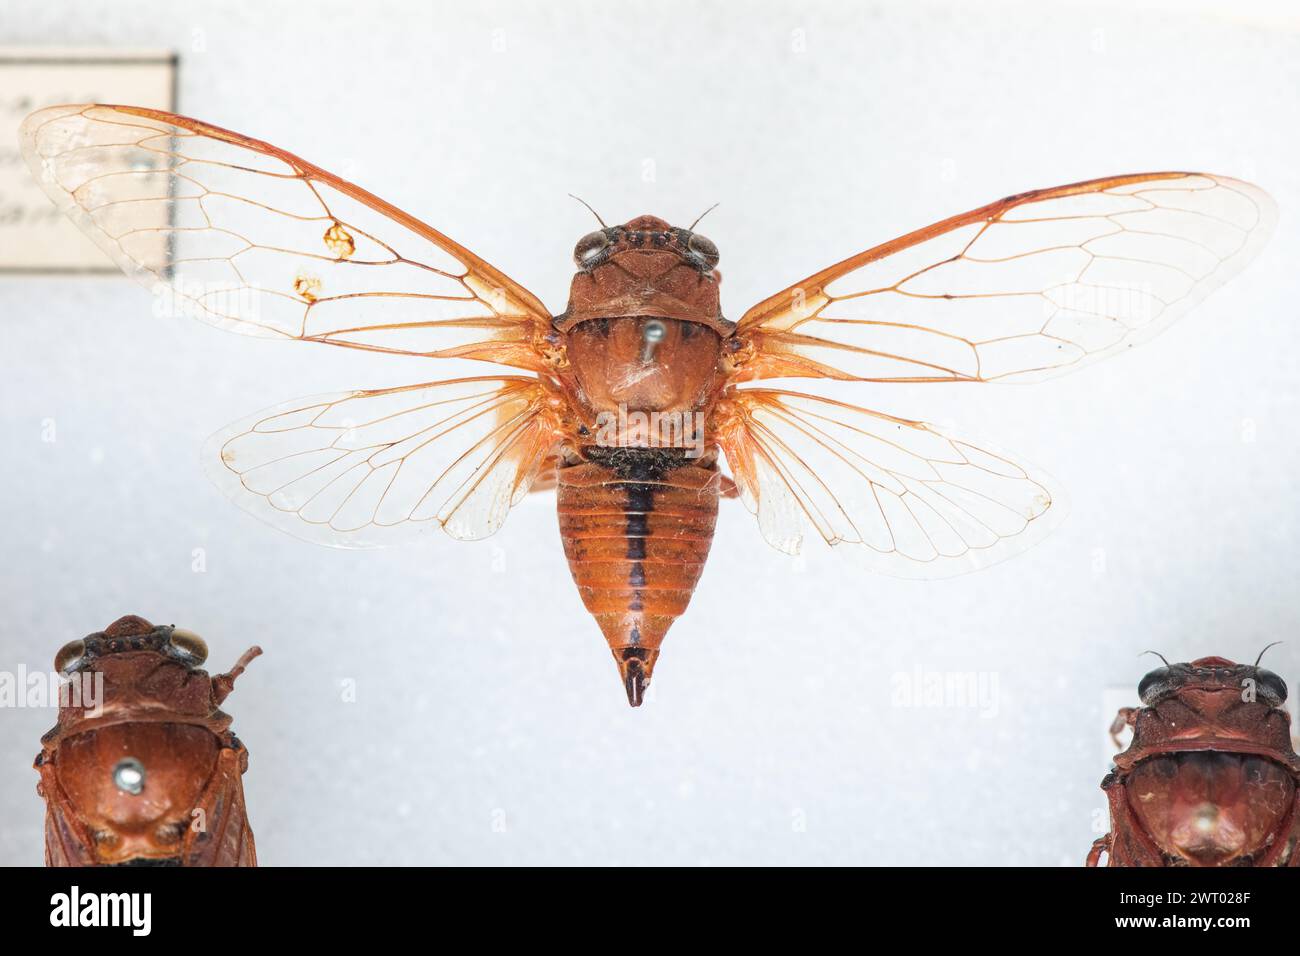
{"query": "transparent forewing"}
[(66, 841), (227, 839), (366, 469), (247, 237), (1025, 288), (918, 501)]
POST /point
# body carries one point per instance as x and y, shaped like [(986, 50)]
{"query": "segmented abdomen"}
[(637, 529)]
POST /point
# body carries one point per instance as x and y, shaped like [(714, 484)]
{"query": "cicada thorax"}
[(638, 487), (142, 768), (1210, 777)]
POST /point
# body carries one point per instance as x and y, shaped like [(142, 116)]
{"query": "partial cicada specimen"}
[(628, 401), (1210, 777), (142, 769)]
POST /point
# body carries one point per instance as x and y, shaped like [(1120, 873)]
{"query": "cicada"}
[(1211, 777), (144, 770), (629, 401)]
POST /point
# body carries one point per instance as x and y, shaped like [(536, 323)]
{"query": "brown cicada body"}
[(1210, 777), (145, 771), (629, 401)]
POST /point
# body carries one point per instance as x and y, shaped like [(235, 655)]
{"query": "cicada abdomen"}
[(636, 530), (142, 768), (1210, 777)]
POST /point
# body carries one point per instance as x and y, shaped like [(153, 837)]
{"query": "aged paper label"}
[(34, 236)]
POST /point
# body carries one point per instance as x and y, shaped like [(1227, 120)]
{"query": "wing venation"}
[(247, 237), (366, 469), (917, 501), (1026, 288)]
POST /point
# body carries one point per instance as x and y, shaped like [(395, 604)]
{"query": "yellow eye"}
[(190, 644), (69, 654)]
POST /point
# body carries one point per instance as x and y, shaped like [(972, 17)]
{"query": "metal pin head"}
[(128, 776), (651, 335)]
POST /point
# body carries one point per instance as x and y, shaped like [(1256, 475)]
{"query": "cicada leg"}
[(1099, 846), (1125, 718)]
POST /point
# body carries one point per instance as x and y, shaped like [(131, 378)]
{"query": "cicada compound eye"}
[(591, 249), (1271, 683), (69, 655), (703, 249), (192, 647), (1155, 685)]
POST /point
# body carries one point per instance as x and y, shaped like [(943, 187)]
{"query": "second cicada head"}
[(1210, 777), (143, 769)]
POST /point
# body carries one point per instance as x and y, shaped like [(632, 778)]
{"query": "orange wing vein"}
[(245, 236), (1022, 289), (919, 501), (366, 469)]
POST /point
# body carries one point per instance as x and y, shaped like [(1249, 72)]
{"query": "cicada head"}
[(645, 267), (1210, 777), (142, 756), (1213, 676)]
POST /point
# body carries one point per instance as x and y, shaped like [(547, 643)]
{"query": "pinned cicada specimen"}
[(143, 770), (629, 400), (1210, 777)]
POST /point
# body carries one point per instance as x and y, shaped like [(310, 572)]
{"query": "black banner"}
[(337, 905)]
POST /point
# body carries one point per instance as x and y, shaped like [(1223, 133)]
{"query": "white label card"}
[(34, 236)]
